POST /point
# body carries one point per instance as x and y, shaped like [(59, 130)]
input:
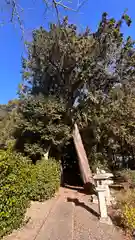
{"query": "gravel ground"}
[(87, 225), (69, 216)]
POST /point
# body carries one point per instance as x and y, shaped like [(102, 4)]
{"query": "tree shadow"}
[(76, 188), (82, 204), (86, 189)]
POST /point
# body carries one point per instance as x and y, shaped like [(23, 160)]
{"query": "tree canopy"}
[(86, 78)]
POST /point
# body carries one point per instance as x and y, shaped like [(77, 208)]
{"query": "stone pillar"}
[(104, 218), (107, 195)]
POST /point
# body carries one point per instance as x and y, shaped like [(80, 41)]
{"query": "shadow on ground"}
[(87, 189), (83, 205)]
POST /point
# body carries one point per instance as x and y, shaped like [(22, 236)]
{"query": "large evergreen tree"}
[(84, 80), (78, 68)]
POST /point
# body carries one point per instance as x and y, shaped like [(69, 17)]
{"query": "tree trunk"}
[(86, 173), (46, 154)]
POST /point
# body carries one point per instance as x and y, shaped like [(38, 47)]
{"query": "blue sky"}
[(12, 48)]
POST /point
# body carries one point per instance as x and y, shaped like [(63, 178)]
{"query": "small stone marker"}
[(104, 218)]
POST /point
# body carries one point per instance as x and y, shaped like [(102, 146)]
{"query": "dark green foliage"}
[(8, 122), (43, 124), (3, 111), (108, 128), (7, 108), (69, 65), (20, 182), (54, 61), (45, 177), (93, 74)]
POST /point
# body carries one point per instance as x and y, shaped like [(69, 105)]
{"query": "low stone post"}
[(104, 181), (104, 218), (107, 194)]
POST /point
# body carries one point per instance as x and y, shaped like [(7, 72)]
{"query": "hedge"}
[(45, 180), (20, 182)]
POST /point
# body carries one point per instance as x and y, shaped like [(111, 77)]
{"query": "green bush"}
[(45, 180), (128, 217), (126, 204), (20, 182), (14, 182)]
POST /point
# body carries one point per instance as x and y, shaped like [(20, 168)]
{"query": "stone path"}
[(68, 216)]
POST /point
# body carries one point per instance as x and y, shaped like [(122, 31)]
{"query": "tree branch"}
[(16, 9), (66, 7)]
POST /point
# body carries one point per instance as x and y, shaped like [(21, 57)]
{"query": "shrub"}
[(126, 204), (128, 217), (14, 182), (21, 181), (45, 180)]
